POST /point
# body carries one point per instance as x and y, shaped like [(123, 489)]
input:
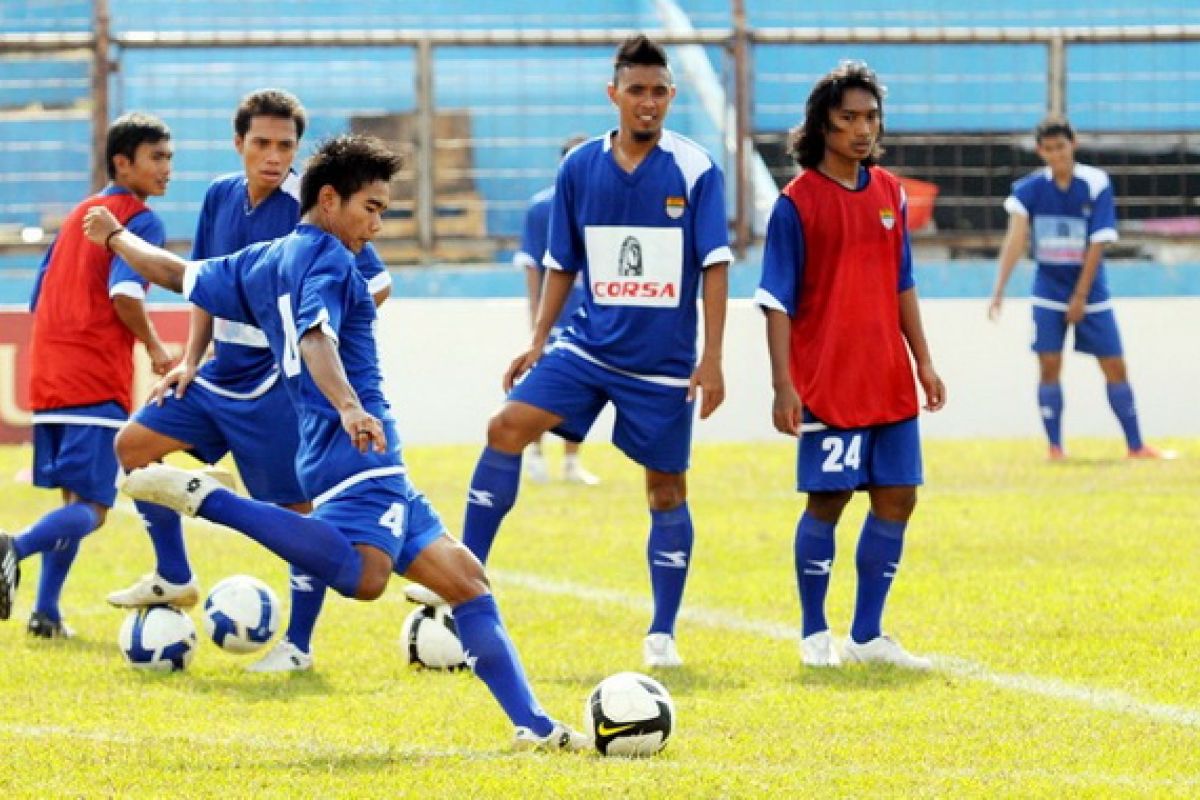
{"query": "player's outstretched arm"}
[(1015, 241), (914, 333), (160, 267), (709, 376), (325, 367), (786, 409)]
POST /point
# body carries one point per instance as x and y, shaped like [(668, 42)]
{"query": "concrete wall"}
[(444, 359)]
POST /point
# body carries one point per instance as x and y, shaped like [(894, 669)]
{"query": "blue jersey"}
[(641, 241), (1062, 225), (285, 288), (533, 247), (227, 223)]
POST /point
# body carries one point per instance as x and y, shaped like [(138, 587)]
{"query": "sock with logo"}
[(1120, 397), (814, 549), (669, 554), (878, 558), (1050, 402), (56, 530), (494, 659), (56, 563), (308, 595), (491, 496), (312, 545), (166, 534)]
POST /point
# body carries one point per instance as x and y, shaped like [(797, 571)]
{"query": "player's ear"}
[(612, 92), (327, 197), (239, 142), (121, 164)]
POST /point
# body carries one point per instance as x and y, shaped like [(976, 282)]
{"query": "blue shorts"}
[(262, 433), (77, 456), (841, 459), (387, 513), (1095, 334), (653, 424)]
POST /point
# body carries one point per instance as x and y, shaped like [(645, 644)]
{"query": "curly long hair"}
[(806, 143)]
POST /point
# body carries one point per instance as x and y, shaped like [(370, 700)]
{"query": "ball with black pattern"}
[(629, 714), (429, 639), (158, 638)]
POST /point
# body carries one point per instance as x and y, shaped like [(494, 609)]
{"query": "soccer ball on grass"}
[(629, 714), (158, 638), (241, 614), (429, 639)]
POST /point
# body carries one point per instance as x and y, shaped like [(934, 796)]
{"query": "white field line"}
[(1100, 699)]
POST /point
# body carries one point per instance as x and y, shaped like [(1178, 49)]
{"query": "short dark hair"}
[(347, 163), (806, 143), (127, 132), (1053, 125), (269, 103), (638, 51)]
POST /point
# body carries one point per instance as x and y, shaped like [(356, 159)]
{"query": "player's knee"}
[(896, 505), (130, 448), (374, 581), (828, 506), (504, 435)]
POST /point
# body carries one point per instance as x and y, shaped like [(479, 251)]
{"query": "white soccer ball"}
[(629, 714), (241, 614), (429, 638), (159, 638)]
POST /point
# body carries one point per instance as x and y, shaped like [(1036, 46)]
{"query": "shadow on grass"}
[(248, 687), (860, 678)]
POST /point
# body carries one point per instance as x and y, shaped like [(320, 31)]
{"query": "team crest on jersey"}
[(887, 218), (675, 206), (629, 261)]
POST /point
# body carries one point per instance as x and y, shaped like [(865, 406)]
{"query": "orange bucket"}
[(921, 197)]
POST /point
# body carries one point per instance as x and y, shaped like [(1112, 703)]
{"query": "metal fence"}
[(480, 108)]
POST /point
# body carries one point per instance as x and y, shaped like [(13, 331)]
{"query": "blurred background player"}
[(842, 317), (304, 292), (640, 212), (1070, 210), (88, 309), (529, 257), (235, 403)]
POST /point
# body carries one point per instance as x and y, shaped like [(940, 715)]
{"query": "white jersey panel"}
[(635, 266)]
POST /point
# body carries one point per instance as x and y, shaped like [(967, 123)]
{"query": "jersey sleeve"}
[(215, 285), (711, 229), (782, 260), (371, 267), (200, 242), (565, 248), (533, 237), (323, 295), (1102, 224), (1020, 201), (122, 279), (907, 281)]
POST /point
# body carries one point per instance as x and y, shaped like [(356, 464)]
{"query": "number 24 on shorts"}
[(842, 454)]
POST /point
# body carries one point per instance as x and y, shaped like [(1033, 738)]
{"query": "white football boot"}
[(658, 650), (422, 595), (817, 650), (561, 738), (284, 657), (152, 590), (534, 464), (180, 489), (573, 472), (883, 650)]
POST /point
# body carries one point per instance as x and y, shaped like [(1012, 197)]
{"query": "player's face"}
[(642, 96), (268, 149), (358, 219), (1058, 153), (853, 126), (148, 174)]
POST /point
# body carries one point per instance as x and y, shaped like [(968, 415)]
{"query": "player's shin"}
[(1120, 399), (879, 548), (814, 550), (58, 528), (56, 563), (166, 535), (669, 554), (493, 492), (308, 595)]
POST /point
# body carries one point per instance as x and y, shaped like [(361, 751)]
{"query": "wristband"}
[(108, 239)]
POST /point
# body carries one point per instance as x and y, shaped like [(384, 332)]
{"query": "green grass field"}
[(1060, 600)]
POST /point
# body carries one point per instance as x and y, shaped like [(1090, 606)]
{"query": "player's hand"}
[(160, 359), (787, 411), (935, 390), (709, 380), (98, 224), (1075, 309), (176, 380), (366, 432), (994, 307), (520, 365)]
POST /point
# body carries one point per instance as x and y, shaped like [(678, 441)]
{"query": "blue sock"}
[(493, 491), (1120, 397), (316, 547), (669, 553), (308, 595), (57, 530), (166, 534), (1050, 402), (494, 659), (878, 558), (56, 563), (814, 550)]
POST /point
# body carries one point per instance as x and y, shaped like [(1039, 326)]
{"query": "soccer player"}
[(88, 308), (529, 258), (843, 328), (305, 294), (227, 405), (1069, 209), (640, 212)]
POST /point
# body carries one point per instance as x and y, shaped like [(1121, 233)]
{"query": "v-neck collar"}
[(640, 169)]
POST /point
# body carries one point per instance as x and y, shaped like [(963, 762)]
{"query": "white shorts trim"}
[(359, 477), (1055, 305), (253, 394), (56, 418), (661, 380)]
